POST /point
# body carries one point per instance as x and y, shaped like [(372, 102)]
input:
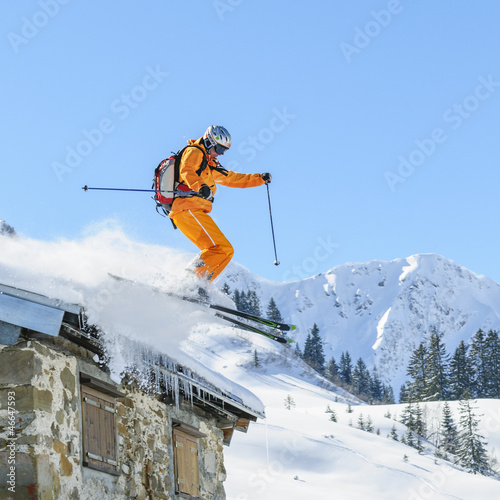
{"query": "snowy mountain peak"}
[(381, 310)]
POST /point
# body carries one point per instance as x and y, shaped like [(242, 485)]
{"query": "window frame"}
[(99, 435), (187, 472)]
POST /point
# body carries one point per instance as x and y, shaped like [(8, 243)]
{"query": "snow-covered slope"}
[(300, 453), (381, 310)]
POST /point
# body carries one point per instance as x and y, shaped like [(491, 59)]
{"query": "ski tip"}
[(293, 327)]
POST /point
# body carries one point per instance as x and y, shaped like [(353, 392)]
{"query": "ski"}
[(227, 310), (284, 327), (245, 326)]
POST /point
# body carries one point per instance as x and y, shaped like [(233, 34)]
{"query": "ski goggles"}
[(220, 150)]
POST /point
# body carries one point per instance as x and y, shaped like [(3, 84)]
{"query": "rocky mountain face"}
[(5, 229)]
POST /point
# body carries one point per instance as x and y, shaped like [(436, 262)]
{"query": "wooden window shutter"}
[(100, 449), (186, 464)]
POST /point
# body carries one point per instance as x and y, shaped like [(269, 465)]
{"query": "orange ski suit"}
[(190, 215)]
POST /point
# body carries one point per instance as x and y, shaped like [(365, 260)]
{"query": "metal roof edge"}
[(38, 298)]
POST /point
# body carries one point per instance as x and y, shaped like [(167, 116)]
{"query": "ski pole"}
[(276, 261), (87, 188)]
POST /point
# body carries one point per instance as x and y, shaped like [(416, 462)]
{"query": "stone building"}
[(68, 431)]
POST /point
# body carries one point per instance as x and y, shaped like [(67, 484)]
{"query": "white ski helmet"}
[(215, 136)]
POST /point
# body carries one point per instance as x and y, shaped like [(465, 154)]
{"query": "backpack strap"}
[(221, 170), (204, 162), (178, 158)]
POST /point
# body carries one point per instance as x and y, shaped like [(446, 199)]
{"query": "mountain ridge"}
[(381, 310)]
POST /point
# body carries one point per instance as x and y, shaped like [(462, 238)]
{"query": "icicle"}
[(156, 372)]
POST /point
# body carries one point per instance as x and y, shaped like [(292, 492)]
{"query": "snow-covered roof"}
[(51, 316)]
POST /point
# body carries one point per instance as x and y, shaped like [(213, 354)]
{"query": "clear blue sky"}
[(378, 120)]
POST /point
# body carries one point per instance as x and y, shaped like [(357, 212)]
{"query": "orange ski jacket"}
[(212, 175)]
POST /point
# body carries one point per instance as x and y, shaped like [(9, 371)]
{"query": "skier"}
[(190, 214)]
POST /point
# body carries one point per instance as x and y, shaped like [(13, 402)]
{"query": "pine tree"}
[(273, 312), (394, 433), (244, 303), (460, 372), (387, 395), (407, 416), (409, 438), (361, 379), (437, 388), (417, 370), (253, 303), (376, 388), (256, 361), (332, 370), (448, 435), (225, 289), (345, 368), (420, 425), (416, 429), (404, 393), (289, 402), (492, 342), (369, 424), (471, 450), (361, 422), (308, 353), (237, 299), (313, 350), (478, 362)]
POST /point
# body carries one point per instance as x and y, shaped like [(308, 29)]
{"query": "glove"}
[(267, 177), (205, 192)]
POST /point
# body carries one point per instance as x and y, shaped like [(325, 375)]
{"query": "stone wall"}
[(40, 380)]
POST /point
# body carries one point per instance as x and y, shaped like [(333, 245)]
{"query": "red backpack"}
[(166, 180)]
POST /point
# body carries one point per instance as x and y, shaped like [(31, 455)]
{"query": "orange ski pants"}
[(216, 251)]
